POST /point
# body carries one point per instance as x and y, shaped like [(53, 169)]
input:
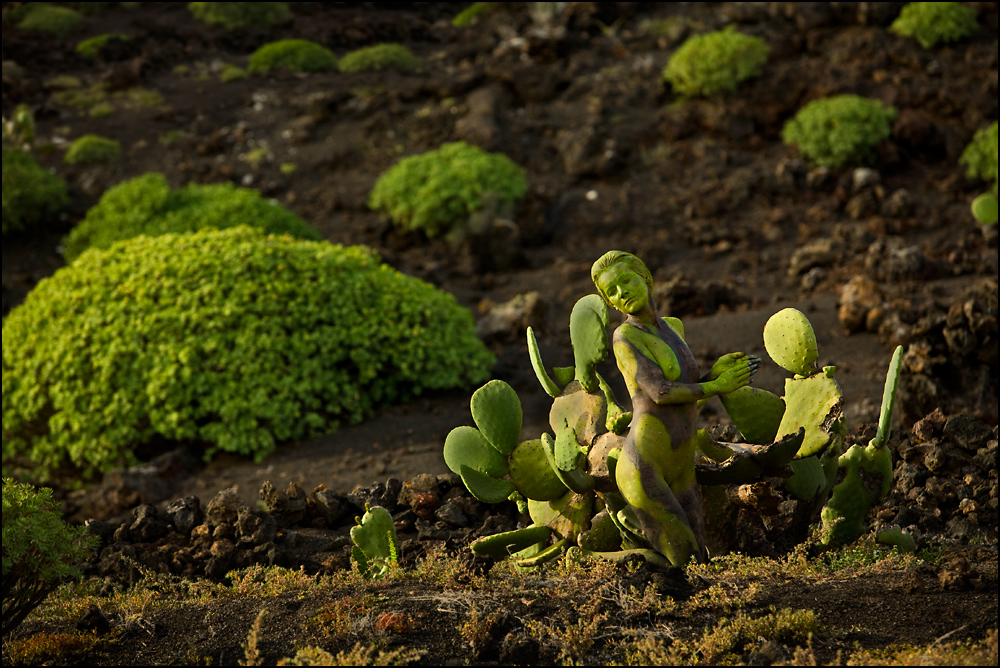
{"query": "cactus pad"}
[(791, 342), (375, 542), (466, 446), (485, 488), (531, 474), (502, 545), (588, 333), (756, 413), (815, 403), (497, 412)]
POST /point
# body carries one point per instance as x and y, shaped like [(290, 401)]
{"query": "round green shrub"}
[(839, 130), (30, 193), (90, 149), (294, 55), (147, 205), (233, 339), (89, 48), (715, 62), (379, 57), (238, 14), (438, 190), (980, 155), (40, 551), (55, 21), (932, 23)]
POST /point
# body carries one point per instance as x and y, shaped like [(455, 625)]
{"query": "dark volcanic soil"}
[(733, 224)]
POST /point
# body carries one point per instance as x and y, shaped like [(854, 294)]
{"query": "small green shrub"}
[(980, 155), (379, 57), (55, 21), (30, 193), (238, 14), (980, 160), (839, 130), (294, 55), (232, 72), (147, 205), (89, 48), (932, 23), (715, 62), (233, 339), (438, 190), (40, 550), (472, 12), (91, 149)]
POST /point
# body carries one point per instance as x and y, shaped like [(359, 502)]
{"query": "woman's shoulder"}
[(675, 324)]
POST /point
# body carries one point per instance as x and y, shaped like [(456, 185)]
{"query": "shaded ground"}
[(732, 223)]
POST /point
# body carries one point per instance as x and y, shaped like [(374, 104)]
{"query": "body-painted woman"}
[(656, 470)]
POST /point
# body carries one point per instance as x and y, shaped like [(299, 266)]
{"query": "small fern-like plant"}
[(715, 62), (933, 23), (40, 551), (840, 130), (294, 55), (439, 190)]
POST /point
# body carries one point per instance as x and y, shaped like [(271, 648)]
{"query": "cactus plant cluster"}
[(565, 481)]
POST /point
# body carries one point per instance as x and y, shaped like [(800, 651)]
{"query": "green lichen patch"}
[(232, 339)]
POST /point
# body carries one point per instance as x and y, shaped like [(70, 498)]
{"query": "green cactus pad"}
[(808, 478), (588, 325), (603, 535), (496, 410), (651, 556), (751, 462), (531, 474), (548, 554), (577, 480), (898, 538), (535, 356), (567, 516), (375, 542), (485, 488), (564, 374), (791, 342), (466, 446), (844, 514), (815, 403), (503, 545), (569, 455), (888, 400), (756, 413), (585, 413)]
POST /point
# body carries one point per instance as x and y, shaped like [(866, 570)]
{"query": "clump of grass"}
[(961, 653), (93, 149), (358, 656), (44, 648), (379, 57), (933, 23), (573, 640), (294, 55), (715, 62)]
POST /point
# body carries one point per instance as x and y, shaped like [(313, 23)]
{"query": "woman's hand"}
[(732, 372)]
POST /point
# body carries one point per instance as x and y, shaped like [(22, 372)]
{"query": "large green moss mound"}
[(147, 205), (230, 338), (294, 55), (30, 193)]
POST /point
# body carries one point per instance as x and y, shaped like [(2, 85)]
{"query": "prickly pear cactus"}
[(865, 473), (588, 332), (496, 410), (791, 342), (375, 548)]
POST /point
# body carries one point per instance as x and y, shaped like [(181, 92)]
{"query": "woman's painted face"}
[(624, 289)]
